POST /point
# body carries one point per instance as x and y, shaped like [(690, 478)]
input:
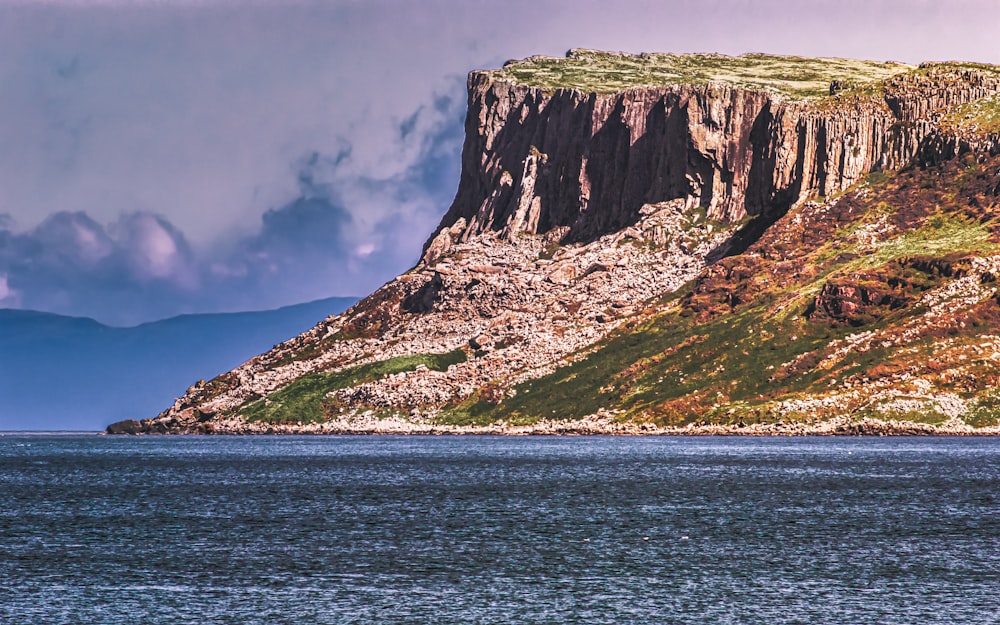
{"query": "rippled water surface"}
[(108, 530)]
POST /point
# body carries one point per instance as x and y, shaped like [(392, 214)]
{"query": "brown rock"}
[(127, 426), (535, 160), (562, 273)]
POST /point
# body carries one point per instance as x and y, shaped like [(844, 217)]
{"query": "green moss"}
[(605, 72), (305, 399), (675, 370), (928, 415), (877, 178), (478, 411), (939, 236), (549, 250), (643, 370), (302, 400), (985, 410), (981, 116)]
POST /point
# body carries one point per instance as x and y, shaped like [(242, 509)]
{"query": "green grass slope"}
[(607, 72), (306, 400), (878, 303)]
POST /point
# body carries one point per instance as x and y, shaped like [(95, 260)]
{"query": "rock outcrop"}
[(535, 160), (579, 215)]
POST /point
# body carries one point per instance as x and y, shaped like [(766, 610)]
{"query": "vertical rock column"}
[(535, 159)]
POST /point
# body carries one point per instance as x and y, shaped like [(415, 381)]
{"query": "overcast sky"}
[(159, 158)]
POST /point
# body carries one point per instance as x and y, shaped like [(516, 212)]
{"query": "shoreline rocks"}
[(586, 427)]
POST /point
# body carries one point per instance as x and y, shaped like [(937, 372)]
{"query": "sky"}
[(159, 158)]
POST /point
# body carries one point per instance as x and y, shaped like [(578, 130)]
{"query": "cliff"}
[(610, 204), (537, 158)]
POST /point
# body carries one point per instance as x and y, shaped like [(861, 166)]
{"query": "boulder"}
[(126, 426)]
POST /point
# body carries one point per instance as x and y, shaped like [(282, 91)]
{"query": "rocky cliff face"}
[(581, 212), (536, 159)]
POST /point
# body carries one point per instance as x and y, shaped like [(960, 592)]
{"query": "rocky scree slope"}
[(675, 243)]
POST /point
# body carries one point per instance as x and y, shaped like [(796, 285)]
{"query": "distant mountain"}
[(61, 372)]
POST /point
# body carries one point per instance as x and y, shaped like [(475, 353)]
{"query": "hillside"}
[(72, 373), (689, 243)]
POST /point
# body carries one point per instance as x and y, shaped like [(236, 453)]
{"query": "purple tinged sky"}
[(159, 158)]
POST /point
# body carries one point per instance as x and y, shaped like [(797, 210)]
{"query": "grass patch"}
[(939, 236), (986, 410), (927, 414), (676, 370), (981, 116), (478, 410), (304, 400), (608, 72), (673, 370), (877, 178)]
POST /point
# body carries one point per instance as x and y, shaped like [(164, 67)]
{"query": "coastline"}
[(595, 426)]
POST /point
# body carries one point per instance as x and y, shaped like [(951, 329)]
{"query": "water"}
[(386, 530)]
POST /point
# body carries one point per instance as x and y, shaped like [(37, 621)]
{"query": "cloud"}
[(158, 163), (339, 234), (346, 232), (72, 264), (165, 109), (71, 240), (151, 248), (8, 297)]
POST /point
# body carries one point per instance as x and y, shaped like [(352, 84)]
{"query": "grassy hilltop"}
[(608, 72)]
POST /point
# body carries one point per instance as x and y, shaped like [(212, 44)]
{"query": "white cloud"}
[(7, 295), (91, 242), (156, 249), (365, 249)]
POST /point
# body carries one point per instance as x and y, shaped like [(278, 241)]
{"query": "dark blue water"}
[(108, 530)]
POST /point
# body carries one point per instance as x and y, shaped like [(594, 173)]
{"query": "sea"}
[(498, 530)]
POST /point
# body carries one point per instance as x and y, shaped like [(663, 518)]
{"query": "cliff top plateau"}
[(593, 71), (660, 243)]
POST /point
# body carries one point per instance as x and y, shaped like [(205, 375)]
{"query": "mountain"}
[(676, 243), (68, 373)]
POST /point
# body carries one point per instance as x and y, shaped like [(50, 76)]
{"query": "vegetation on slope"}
[(866, 305), (605, 72), (981, 116), (306, 399)]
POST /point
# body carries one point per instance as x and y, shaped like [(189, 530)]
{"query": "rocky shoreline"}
[(600, 426)]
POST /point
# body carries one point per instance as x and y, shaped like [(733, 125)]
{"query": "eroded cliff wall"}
[(535, 159)]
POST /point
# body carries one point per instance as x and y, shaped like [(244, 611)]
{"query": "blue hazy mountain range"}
[(74, 373)]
